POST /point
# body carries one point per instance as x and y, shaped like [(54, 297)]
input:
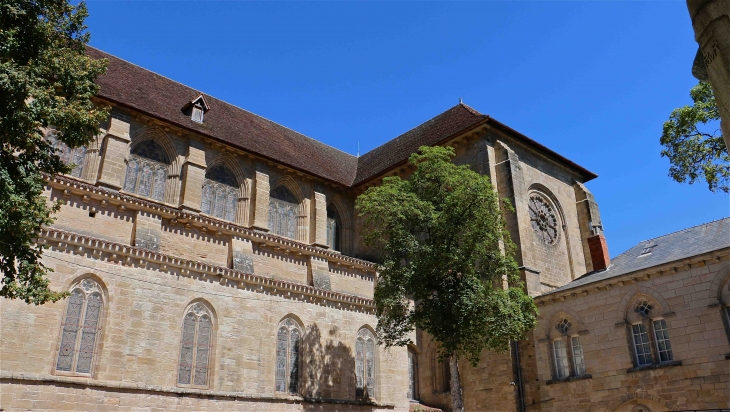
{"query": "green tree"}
[(447, 263), (696, 152), (45, 81)]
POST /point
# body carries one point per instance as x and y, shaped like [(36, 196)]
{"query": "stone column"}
[(319, 217), (91, 160), (113, 164), (260, 196), (711, 23), (194, 172)]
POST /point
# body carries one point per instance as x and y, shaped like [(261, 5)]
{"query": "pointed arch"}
[(285, 218), (289, 334), (163, 140), (716, 287), (550, 195), (365, 362), (546, 326), (235, 197), (196, 344), (166, 180), (346, 220), (635, 293), (230, 162)]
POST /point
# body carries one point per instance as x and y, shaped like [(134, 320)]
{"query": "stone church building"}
[(215, 262)]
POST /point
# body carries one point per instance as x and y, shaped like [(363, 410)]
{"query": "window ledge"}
[(654, 366), (570, 379)]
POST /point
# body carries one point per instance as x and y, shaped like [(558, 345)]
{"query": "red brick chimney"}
[(599, 252)]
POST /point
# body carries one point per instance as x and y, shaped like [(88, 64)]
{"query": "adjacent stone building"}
[(214, 262)]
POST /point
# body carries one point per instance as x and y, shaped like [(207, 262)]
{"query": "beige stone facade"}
[(208, 276)]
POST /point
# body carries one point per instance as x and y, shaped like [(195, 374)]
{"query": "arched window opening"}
[(412, 375), (334, 229), (195, 346), (81, 328), (649, 333), (67, 155), (220, 193), (283, 212), (147, 171), (288, 339), (365, 364), (566, 350)]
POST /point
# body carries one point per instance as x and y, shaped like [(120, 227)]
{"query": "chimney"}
[(599, 252)]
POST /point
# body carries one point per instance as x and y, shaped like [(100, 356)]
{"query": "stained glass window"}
[(334, 228), (146, 172), (412, 375), (283, 211), (288, 339), (195, 346), (220, 193), (67, 155), (365, 363), (81, 328)]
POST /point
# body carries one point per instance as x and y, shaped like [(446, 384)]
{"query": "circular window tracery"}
[(643, 308), (543, 219), (563, 326)]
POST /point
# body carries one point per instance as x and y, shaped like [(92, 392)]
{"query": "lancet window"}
[(147, 171), (365, 364), (288, 339), (567, 351), (220, 193), (649, 335), (283, 212), (67, 155), (195, 347), (412, 375), (81, 328), (334, 228)]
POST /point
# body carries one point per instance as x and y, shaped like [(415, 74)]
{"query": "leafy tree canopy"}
[(444, 247), (46, 81), (695, 150)]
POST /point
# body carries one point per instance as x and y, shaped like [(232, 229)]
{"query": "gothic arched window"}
[(283, 211), (441, 373), (68, 156), (412, 375), (288, 338), (334, 228), (147, 170), (365, 364), (195, 346), (220, 193), (81, 328)]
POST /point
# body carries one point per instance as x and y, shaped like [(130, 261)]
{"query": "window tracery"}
[(283, 212), (365, 363), (649, 334), (195, 346), (563, 326), (67, 155), (288, 339), (81, 328), (543, 219), (146, 172), (220, 193)]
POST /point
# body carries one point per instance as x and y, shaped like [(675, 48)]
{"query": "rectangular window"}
[(578, 363), (197, 114), (641, 344), (561, 359), (664, 348)]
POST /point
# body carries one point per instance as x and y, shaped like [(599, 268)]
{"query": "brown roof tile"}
[(137, 88)]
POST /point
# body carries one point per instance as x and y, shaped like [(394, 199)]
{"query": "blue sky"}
[(593, 81)]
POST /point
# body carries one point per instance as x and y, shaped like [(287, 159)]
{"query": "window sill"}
[(570, 379), (654, 366)]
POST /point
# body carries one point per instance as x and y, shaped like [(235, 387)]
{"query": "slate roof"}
[(134, 87), (672, 247)]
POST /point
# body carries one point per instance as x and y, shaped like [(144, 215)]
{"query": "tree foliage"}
[(46, 81), (445, 248), (694, 152)]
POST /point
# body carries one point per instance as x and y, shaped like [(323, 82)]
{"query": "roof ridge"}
[(469, 109), (676, 231), (220, 100)]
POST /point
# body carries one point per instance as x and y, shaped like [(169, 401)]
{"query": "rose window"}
[(543, 219)]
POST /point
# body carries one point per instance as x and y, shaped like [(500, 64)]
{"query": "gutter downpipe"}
[(521, 405)]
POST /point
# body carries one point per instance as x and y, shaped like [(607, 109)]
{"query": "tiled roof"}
[(134, 87), (683, 244), (140, 89)]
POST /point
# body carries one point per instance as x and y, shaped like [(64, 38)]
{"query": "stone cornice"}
[(118, 253), (71, 185), (175, 391), (635, 277)]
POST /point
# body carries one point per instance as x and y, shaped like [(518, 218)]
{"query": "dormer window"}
[(196, 109), (197, 115)]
